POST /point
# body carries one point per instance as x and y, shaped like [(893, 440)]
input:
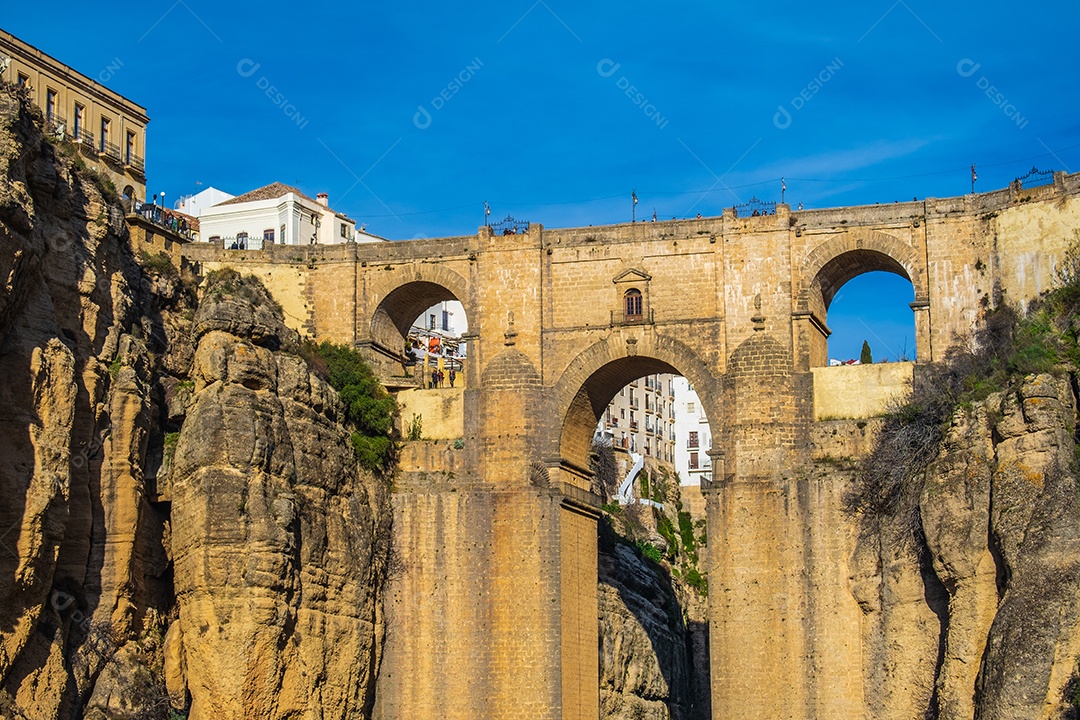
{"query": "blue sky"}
[(411, 118)]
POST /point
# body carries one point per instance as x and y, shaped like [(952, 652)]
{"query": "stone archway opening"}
[(864, 294), (863, 333), (590, 405), (873, 308), (650, 416), (417, 336)]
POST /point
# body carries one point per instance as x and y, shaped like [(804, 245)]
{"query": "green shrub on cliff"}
[(369, 409)]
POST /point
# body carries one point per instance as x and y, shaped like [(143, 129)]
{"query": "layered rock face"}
[(644, 662), (83, 566), (653, 629), (984, 620), (275, 535), (270, 608)]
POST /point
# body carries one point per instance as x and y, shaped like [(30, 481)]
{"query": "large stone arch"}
[(843, 257), (398, 296), (853, 253), (596, 374)]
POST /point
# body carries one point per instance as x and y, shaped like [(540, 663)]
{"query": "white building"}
[(692, 435), (277, 213), (435, 340), (194, 204), (640, 418)]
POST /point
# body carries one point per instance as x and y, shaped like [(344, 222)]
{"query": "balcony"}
[(57, 124), (166, 219), (633, 424), (136, 163), (86, 139), (110, 151)]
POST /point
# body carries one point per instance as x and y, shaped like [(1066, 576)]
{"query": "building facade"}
[(641, 418), (277, 214), (692, 436), (109, 129), (436, 345), (194, 204)]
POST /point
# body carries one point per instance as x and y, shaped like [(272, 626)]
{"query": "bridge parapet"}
[(859, 391)]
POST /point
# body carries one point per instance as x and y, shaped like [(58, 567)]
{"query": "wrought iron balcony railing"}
[(110, 150)]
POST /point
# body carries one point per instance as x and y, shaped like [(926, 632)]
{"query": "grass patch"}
[(416, 427), (159, 263)]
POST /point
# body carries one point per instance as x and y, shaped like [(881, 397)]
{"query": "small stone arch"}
[(840, 259), (593, 378), (401, 294), (851, 254)]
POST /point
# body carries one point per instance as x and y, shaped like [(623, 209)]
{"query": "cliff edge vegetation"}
[(967, 567)]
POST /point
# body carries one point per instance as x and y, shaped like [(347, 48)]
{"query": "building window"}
[(79, 121), (129, 148), (268, 235), (693, 439), (241, 241), (690, 408), (693, 461), (632, 300), (216, 239), (446, 320), (344, 231), (431, 322), (24, 80), (50, 104), (104, 135)]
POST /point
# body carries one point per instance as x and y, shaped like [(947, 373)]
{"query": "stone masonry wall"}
[(737, 304)]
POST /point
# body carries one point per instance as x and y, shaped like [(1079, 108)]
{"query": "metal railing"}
[(165, 218), (110, 150), (1035, 178), (136, 162), (85, 137), (754, 208), (57, 123), (242, 243)]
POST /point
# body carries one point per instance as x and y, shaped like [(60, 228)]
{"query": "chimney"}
[(323, 199)]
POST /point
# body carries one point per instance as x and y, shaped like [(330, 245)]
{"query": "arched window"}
[(632, 302)]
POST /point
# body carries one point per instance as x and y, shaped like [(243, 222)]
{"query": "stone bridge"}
[(493, 609)]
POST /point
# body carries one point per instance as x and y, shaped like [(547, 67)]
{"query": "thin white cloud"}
[(831, 163)]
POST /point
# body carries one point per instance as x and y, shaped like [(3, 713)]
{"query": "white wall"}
[(690, 417), (194, 204), (290, 210)]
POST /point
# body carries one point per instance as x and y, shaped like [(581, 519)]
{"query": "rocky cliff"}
[(653, 629), (183, 523), (972, 599)]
